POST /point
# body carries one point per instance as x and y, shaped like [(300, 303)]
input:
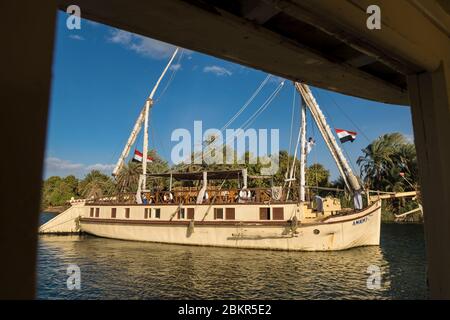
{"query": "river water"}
[(114, 269)]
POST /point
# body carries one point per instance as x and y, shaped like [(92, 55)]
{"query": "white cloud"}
[(61, 167), (409, 137), (52, 163), (101, 167), (146, 47), (175, 67), (219, 71), (76, 37), (120, 37)]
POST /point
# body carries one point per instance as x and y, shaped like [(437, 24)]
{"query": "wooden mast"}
[(301, 140), (347, 174), (303, 151), (131, 139), (142, 119), (148, 105), (292, 169)]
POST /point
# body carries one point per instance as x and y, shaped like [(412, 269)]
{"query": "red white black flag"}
[(345, 135), (138, 157)]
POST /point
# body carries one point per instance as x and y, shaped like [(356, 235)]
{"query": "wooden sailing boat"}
[(257, 218)]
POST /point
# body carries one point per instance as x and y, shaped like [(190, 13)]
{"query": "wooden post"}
[(27, 31), (430, 101)]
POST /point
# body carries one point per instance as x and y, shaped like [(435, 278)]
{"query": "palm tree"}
[(128, 177), (385, 159), (378, 158), (96, 184)]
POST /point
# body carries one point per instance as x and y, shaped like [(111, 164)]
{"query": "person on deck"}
[(144, 198)]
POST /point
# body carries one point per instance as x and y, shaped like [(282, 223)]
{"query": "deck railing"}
[(188, 195)]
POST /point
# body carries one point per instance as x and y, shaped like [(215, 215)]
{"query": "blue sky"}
[(102, 77)]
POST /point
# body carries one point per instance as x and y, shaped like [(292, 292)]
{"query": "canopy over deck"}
[(212, 175)]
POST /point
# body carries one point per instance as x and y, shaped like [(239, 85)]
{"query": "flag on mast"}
[(137, 157), (346, 135)]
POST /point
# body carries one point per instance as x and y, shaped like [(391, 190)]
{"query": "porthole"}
[(316, 231)]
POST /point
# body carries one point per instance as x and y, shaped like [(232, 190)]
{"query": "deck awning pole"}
[(205, 179), (244, 178), (201, 193)]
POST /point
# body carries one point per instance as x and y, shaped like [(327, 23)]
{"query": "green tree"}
[(158, 165), (317, 175), (128, 177), (96, 184), (72, 183), (389, 163), (56, 191)]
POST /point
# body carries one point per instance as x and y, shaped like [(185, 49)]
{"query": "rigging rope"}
[(330, 119), (247, 123), (348, 118), (263, 107), (247, 103), (152, 133), (172, 76)]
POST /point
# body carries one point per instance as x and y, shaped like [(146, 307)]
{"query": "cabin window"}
[(264, 213), (127, 213), (157, 213), (147, 213), (218, 213), (91, 212), (97, 212), (278, 214), (113, 212), (190, 213), (230, 214), (182, 213)]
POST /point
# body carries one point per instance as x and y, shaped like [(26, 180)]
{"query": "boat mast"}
[(148, 105), (292, 168), (346, 172), (302, 151), (142, 118), (301, 140), (131, 139)]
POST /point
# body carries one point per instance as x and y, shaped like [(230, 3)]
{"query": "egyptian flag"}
[(138, 157), (345, 135)]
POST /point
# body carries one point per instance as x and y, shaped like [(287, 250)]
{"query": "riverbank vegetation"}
[(387, 164)]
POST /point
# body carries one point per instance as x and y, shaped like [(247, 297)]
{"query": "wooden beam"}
[(333, 24), (213, 31), (408, 35), (258, 11), (361, 61), (393, 195), (430, 101)]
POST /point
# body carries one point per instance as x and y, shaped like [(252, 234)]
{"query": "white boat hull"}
[(335, 233)]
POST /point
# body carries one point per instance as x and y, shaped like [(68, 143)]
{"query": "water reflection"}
[(114, 269)]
